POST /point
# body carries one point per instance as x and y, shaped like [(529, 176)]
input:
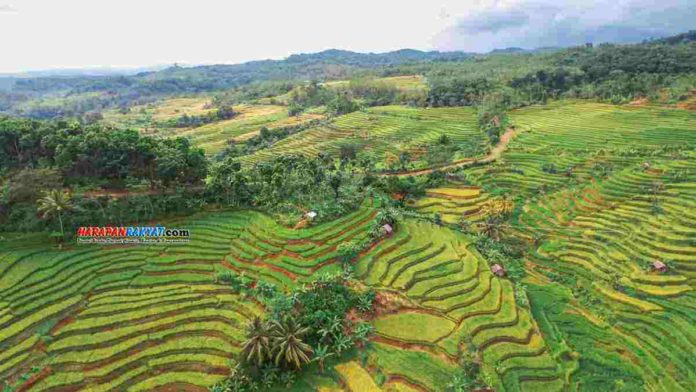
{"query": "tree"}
[(362, 334), (437, 217), (320, 355), (343, 343), (491, 227), (55, 203), (388, 216), (258, 344), (348, 250), (342, 105), (289, 347), (28, 184), (335, 181), (404, 159)]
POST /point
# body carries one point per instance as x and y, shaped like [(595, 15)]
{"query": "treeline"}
[(89, 154), (41, 156), (617, 73), (612, 72), (125, 91)]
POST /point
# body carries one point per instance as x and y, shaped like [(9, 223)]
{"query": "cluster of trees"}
[(39, 156), (95, 154), (160, 177), (254, 91), (290, 184), (314, 94), (458, 91), (469, 376), (321, 320), (23, 206), (492, 117), (221, 112), (618, 73)]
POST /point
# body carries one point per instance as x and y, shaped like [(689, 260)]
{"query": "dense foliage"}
[(291, 184), (96, 154), (320, 320), (37, 157)]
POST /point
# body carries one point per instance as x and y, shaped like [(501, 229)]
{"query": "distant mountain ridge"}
[(88, 71), (670, 55)]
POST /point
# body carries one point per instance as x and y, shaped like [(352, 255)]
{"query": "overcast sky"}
[(45, 34)]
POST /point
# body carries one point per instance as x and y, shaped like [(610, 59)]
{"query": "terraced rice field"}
[(116, 318), (215, 136), (154, 318), (404, 83), (144, 116), (450, 297), (628, 200), (150, 317), (211, 137), (383, 132), (582, 136), (454, 202)]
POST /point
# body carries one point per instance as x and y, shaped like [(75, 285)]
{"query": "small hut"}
[(498, 270), (659, 266), (645, 165), (311, 215), (388, 229)]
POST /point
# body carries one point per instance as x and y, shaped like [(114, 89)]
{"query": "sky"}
[(53, 34)]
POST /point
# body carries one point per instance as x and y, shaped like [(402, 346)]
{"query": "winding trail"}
[(493, 155)]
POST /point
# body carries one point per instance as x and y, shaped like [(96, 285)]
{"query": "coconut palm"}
[(55, 203), (258, 344), (288, 344)]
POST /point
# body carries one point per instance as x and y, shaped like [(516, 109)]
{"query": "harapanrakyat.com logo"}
[(132, 235)]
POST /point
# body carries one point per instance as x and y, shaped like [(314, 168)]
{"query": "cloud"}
[(538, 23), (494, 21), (7, 9)]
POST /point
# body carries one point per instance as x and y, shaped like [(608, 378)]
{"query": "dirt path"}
[(493, 155)]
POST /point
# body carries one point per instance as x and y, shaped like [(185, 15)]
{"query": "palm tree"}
[(342, 343), (258, 344), (320, 355), (288, 344), (54, 203)]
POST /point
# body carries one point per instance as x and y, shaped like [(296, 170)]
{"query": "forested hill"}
[(607, 71), (328, 64)]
